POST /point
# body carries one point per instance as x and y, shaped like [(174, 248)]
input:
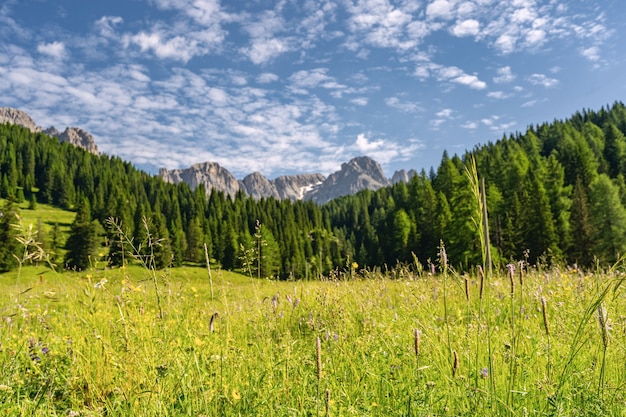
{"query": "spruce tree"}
[(84, 239), (581, 231), (608, 218), (9, 245)]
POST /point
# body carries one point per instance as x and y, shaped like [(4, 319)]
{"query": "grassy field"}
[(134, 342), (48, 217)]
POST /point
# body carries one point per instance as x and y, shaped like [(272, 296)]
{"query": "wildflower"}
[(484, 373), (236, 394)]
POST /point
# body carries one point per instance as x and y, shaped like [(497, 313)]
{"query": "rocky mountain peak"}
[(359, 174), (18, 117), (78, 137), (403, 176), (258, 186), (209, 174), (73, 135)]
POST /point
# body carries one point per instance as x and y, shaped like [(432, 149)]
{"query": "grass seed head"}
[(545, 316), (455, 365), (417, 342), (511, 269), (318, 354), (481, 275), (604, 328)]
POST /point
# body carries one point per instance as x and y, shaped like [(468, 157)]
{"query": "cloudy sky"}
[(300, 86)]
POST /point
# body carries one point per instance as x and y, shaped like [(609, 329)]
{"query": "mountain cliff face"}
[(18, 117), (403, 176), (359, 174), (77, 137), (73, 135), (210, 174), (296, 187)]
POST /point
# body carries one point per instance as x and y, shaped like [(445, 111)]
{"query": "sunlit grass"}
[(94, 343)]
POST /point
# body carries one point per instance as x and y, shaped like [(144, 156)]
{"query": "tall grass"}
[(96, 343)]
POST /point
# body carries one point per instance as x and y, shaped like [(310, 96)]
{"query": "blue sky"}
[(301, 86)]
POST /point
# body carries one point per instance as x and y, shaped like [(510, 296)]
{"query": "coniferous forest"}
[(555, 194)]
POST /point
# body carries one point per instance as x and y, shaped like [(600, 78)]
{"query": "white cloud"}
[(384, 151), (498, 95), (469, 27), (176, 48), (360, 101), (365, 145), (443, 116), (445, 113), (311, 78), (471, 81), (55, 50), (592, 53), (505, 75), (267, 77), (450, 74), (106, 25), (543, 80), (405, 106), (439, 9)]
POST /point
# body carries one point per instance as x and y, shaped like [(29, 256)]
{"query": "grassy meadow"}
[(132, 341)]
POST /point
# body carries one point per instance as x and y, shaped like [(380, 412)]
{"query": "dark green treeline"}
[(556, 192)]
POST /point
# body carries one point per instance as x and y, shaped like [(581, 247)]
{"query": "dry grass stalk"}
[(545, 315), (417, 342), (511, 269), (604, 328), (212, 322), (443, 256), (318, 354), (327, 402), (481, 276), (455, 365)]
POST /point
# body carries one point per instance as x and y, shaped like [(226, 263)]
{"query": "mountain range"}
[(358, 174)]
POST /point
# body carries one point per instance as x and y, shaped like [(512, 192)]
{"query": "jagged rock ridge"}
[(358, 174), (209, 174), (73, 135), (18, 117), (403, 176)]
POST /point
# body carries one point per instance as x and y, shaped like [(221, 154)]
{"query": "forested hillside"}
[(556, 191)]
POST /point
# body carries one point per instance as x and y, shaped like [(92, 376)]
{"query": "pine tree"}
[(608, 218), (9, 245), (581, 230), (84, 239)]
